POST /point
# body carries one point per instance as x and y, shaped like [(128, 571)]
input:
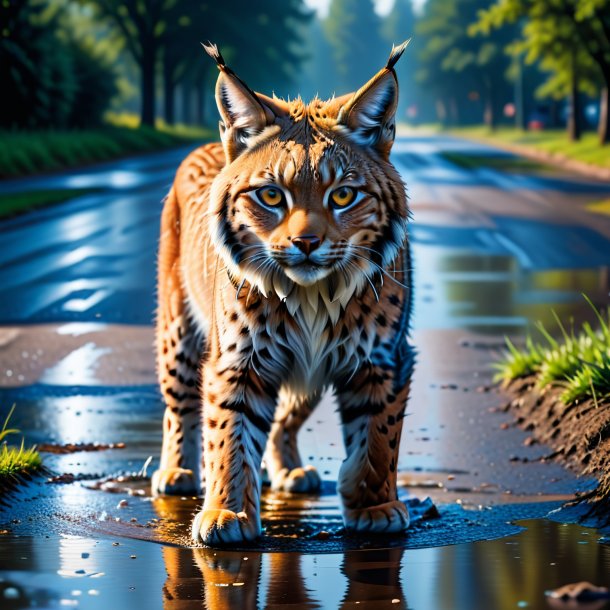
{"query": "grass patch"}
[(501, 162), (25, 153), (15, 461), (18, 460), (600, 207), (587, 150), (15, 203), (579, 362)]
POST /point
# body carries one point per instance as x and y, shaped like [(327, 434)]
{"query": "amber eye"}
[(343, 196), (271, 196)]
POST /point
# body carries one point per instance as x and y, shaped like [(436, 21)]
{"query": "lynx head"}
[(308, 195)]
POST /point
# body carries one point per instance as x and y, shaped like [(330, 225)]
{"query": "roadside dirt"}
[(579, 435)]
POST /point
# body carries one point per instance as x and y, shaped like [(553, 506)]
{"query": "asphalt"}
[(494, 251)]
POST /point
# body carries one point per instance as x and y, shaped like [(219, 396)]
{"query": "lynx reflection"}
[(210, 579)]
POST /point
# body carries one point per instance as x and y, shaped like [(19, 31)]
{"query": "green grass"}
[(16, 460), (502, 162), (553, 141), (25, 153), (15, 203), (578, 362), (600, 207)]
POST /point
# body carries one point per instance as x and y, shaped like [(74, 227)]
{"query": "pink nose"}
[(307, 243)]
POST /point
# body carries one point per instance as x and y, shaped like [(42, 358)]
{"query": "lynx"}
[(284, 270)]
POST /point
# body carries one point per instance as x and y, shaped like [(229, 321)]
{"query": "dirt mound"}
[(579, 434)]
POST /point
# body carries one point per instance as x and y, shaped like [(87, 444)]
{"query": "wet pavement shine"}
[(495, 250)]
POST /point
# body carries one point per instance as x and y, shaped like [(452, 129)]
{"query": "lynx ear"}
[(368, 117), (243, 113)]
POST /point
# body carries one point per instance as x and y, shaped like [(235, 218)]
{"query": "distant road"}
[(93, 258)]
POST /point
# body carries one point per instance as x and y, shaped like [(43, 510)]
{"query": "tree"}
[(146, 27), (319, 76), (56, 77), (168, 33), (353, 31), (399, 25), (581, 25), (460, 67)]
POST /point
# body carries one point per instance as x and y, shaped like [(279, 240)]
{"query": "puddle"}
[(77, 368), (102, 572), (494, 294)]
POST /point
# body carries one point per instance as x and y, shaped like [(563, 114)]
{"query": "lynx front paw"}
[(383, 518), (174, 482), (218, 526), (298, 480)]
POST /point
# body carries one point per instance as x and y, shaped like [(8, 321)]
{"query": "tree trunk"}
[(186, 103), (147, 114), (604, 119), (489, 113), (200, 111), (169, 88), (520, 119), (554, 114), (441, 111), (454, 112), (574, 120)]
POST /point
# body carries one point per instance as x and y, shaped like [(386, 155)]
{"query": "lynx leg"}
[(237, 415), (284, 465), (372, 407), (178, 354)]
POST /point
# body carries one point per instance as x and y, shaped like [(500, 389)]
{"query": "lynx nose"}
[(307, 243)]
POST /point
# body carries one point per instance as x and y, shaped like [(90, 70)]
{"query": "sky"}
[(382, 7)]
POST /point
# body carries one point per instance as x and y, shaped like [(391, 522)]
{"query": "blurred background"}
[(128, 75)]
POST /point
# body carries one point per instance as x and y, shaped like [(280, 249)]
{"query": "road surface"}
[(494, 250)]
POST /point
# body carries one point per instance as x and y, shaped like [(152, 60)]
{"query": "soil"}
[(579, 434)]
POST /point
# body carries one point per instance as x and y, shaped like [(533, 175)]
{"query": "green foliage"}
[(519, 363), (578, 362), (397, 26), (15, 203), (570, 39), (5, 429), (16, 460), (170, 31), (353, 31), (587, 149), (54, 79), (458, 65), (24, 153)]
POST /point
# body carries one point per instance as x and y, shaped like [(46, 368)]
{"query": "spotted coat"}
[(262, 306)]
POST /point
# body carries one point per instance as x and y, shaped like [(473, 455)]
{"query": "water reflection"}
[(116, 572), (225, 580), (506, 573), (494, 294)]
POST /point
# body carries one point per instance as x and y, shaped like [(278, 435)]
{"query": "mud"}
[(579, 435), (76, 447)]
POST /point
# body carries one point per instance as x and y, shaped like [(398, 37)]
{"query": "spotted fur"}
[(263, 306)]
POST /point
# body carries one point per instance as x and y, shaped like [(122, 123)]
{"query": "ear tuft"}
[(396, 54), (212, 50)]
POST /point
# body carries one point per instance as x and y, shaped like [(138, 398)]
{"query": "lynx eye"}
[(270, 195), (343, 196)]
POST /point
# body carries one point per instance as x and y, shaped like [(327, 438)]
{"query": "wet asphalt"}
[(494, 251)]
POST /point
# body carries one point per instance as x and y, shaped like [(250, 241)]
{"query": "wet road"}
[(494, 251)]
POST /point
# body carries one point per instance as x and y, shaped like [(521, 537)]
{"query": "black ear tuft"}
[(212, 50), (396, 54)]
